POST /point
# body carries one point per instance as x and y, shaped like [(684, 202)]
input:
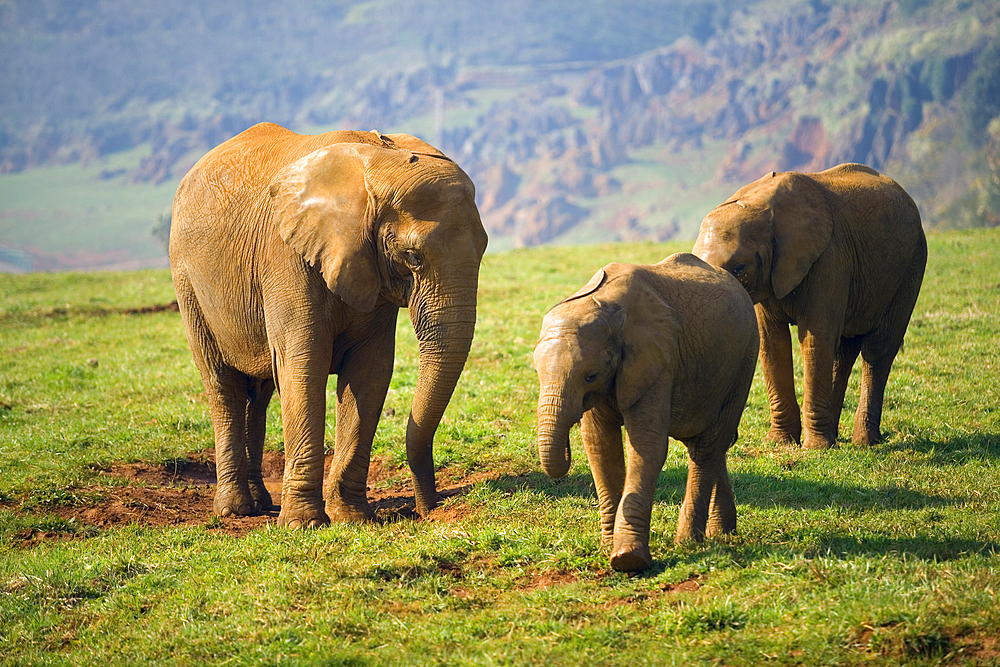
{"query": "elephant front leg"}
[(601, 432), (646, 451), (819, 426), (362, 384), (776, 362), (303, 415)]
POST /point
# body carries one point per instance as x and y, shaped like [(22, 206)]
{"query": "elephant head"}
[(588, 352), (768, 234), (396, 222)]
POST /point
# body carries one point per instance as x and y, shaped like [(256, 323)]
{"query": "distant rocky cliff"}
[(793, 93), (804, 88)]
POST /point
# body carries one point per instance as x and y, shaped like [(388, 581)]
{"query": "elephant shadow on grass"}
[(795, 491), (789, 490), (760, 490), (401, 506), (954, 451)]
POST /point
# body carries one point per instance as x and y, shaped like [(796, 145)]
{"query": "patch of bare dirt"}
[(541, 581), (896, 640), (88, 311), (689, 585), (692, 584), (180, 493), (158, 308)]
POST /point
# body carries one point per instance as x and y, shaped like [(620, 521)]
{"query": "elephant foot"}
[(261, 496), (720, 526), (234, 500), (781, 436), (301, 514), (343, 512), (425, 494), (866, 436), (607, 538), (631, 558), (814, 440), (687, 533)]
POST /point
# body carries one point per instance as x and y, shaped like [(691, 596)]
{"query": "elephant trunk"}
[(444, 335), (553, 434)]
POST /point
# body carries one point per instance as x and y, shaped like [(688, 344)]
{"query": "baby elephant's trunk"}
[(553, 435)]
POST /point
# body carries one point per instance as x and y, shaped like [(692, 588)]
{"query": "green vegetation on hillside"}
[(881, 555)]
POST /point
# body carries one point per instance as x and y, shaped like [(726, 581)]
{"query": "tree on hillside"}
[(161, 230), (980, 98), (989, 184)]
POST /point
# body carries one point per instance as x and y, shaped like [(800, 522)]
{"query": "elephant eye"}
[(739, 270), (591, 377), (413, 259)]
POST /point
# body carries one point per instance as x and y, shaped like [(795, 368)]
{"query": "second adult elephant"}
[(840, 254), (291, 255), (663, 350)]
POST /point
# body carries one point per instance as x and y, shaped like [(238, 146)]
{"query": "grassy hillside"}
[(109, 555), (69, 217)]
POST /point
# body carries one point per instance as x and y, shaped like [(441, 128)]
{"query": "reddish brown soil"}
[(181, 493), (546, 580)]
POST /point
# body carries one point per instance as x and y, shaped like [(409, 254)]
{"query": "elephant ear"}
[(649, 337), (325, 212), (802, 226), (592, 286)]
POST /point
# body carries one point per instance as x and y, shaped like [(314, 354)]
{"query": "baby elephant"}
[(665, 350)]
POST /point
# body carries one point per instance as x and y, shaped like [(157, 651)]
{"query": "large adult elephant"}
[(291, 255), (840, 254)]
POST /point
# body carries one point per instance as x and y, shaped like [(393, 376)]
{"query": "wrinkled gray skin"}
[(291, 256), (663, 350), (840, 254)]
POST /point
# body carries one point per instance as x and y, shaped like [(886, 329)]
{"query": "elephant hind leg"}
[(259, 396), (709, 508), (843, 364), (226, 389), (722, 507), (879, 352), (722, 504), (693, 517), (875, 367)]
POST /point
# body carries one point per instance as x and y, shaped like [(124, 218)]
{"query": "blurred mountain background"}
[(579, 122)]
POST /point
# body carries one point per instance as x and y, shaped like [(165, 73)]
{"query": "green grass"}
[(884, 555), (73, 217)]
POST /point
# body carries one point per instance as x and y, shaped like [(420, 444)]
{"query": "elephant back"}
[(710, 300)]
